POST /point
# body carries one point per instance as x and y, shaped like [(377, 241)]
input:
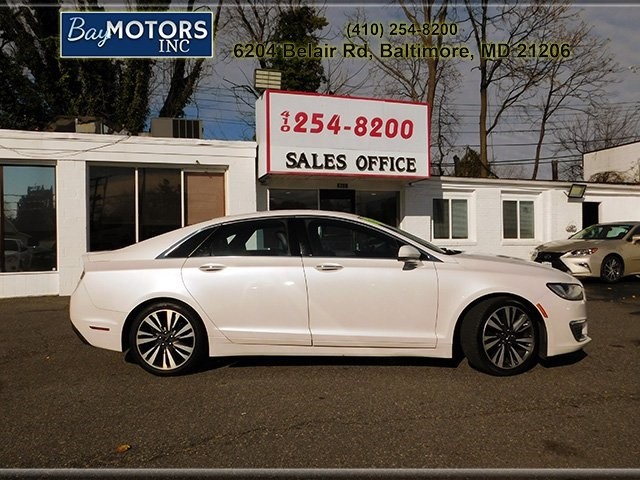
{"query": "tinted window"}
[(518, 219), (293, 199), (253, 238), (334, 238), (112, 208), (188, 245), (27, 218), (159, 205)]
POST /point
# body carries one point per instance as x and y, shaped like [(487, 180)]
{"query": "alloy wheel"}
[(165, 339), (611, 269), (508, 337)]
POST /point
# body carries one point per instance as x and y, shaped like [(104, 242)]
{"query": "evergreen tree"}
[(39, 86), (300, 26)]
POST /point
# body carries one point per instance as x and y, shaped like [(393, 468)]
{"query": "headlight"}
[(534, 253), (583, 252), (568, 291)]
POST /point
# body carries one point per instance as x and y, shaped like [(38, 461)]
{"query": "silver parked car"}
[(609, 251)]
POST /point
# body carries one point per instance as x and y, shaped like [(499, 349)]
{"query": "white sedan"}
[(321, 283)]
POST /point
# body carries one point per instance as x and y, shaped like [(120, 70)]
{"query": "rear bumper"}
[(97, 327), (79, 335)]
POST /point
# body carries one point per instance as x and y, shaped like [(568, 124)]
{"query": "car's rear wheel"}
[(167, 339), (612, 269), (500, 337)]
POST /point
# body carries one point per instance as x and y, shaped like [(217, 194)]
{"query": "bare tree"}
[(506, 80), (432, 80), (573, 81), (602, 126)]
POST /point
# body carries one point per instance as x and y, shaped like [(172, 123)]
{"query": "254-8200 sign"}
[(312, 134), (376, 127)]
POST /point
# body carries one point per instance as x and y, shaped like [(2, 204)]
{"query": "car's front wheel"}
[(167, 339), (612, 269), (500, 337)]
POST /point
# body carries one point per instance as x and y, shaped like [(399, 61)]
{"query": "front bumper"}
[(566, 325), (578, 266)]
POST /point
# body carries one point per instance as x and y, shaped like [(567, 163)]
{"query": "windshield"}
[(410, 236), (603, 232)]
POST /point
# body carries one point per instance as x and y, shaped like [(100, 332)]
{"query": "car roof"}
[(280, 213), (152, 247)]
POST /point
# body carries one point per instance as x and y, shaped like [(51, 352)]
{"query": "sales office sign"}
[(312, 134), (136, 34)]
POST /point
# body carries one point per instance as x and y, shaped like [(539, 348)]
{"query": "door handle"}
[(212, 267), (329, 267)]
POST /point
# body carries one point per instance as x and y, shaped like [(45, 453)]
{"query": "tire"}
[(500, 337), (612, 269), (167, 339)]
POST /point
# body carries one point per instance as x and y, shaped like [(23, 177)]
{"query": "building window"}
[(123, 210), (450, 218), (160, 207), (381, 206), (112, 208), (203, 196), (27, 219), (518, 219), (280, 199), (378, 205)]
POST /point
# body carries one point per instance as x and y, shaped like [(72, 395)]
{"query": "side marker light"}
[(542, 310)]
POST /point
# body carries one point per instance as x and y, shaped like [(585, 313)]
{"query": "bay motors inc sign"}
[(312, 134), (136, 34)]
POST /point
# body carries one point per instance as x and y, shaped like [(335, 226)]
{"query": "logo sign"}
[(136, 34), (311, 134)]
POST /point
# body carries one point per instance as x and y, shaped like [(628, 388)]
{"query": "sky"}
[(226, 118)]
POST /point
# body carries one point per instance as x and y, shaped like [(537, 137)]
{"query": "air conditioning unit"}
[(176, 127)]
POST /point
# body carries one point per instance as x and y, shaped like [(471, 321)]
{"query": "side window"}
[(333, 238), (617, 232), (450, 218), (251, 238), (518, 220)]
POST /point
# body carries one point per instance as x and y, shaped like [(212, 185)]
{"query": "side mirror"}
[(407, 253), (635, 238)]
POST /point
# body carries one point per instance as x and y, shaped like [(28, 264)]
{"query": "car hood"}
[(568, 245), (511, 265)]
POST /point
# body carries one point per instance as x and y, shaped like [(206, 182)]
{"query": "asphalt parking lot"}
[(65, 404)]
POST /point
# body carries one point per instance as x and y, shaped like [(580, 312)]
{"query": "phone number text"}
[(376, 127), (399, 29)]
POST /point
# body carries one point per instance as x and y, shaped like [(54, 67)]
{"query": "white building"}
[(65, 194), (624, 160)]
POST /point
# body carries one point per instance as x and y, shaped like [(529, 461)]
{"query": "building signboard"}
[(312, 134), (136, 34)]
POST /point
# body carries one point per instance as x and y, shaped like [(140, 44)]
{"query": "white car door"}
[(249, 280), (360, 294)]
